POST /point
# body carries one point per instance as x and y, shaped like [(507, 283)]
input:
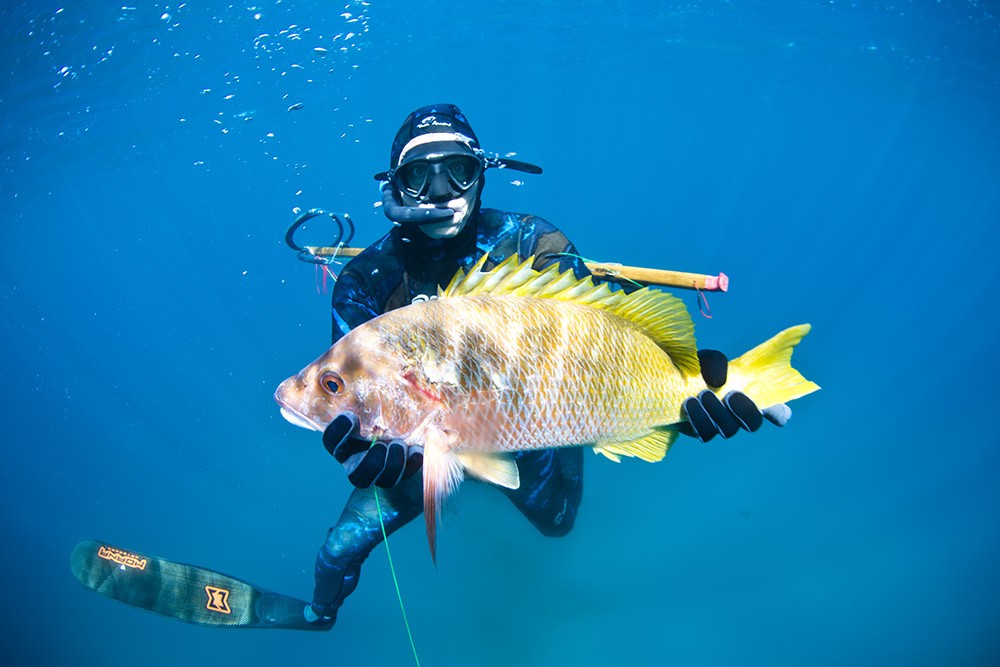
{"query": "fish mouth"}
[(295, 417)]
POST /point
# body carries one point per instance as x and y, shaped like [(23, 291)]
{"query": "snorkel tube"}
[(426, 214), (494, 160)]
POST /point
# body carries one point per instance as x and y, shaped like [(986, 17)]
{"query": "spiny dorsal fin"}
[(662, 316), (505, 278)]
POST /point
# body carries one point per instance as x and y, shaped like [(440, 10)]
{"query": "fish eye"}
[(331, 382)]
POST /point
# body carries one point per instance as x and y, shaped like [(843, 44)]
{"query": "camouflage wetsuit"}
[(402, 266)]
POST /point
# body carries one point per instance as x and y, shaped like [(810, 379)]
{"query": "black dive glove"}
[(708, 416), (385, 464)]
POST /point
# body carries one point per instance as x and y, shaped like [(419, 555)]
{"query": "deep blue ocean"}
[(839, 160)]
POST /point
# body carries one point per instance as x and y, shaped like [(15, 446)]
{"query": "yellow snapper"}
[(515, 359)]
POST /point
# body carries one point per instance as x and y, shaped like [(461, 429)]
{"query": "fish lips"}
[(292, 415), (295, 417)]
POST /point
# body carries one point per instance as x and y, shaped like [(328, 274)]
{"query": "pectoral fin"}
[(442, 474), (444, 470)]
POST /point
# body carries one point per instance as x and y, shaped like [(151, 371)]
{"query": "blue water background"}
[(840, 161)]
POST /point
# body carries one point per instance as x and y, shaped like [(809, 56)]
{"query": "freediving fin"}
[(185, 592)]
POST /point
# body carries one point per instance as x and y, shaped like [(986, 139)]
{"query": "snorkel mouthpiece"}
[(411, 215)]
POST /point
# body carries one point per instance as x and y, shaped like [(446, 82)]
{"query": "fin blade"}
[(765, 373), (495, 468), (183, 592)]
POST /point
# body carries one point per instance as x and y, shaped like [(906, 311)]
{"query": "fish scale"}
[(629, 381)]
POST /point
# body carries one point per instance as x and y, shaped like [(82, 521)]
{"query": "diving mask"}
[(437, 167), (422, 178)]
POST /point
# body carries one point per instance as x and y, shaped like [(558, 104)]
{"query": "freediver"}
[(432, 193)]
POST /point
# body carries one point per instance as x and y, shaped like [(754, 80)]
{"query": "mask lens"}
[(412, 177), (463, 170)]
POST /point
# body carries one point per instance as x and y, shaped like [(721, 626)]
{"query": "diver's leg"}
[(551, 488), (338, 564)]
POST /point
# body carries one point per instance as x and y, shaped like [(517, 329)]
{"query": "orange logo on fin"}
[(123, 558), (218, 600)]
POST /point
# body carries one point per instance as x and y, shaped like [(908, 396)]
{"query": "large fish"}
[(515, 359)]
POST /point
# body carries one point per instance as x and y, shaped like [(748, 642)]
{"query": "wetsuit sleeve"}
[(550, 246), (352, 303)]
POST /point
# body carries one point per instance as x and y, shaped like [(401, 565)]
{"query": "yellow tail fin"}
[(765, 373)]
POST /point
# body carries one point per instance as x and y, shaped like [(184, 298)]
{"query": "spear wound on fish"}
[(425, 389)]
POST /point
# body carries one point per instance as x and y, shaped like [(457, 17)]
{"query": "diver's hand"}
[(385, 464), (708, 416), (401, 214)]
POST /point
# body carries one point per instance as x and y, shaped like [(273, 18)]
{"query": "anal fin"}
[(498, 469), (651, 447), (611, 456)]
